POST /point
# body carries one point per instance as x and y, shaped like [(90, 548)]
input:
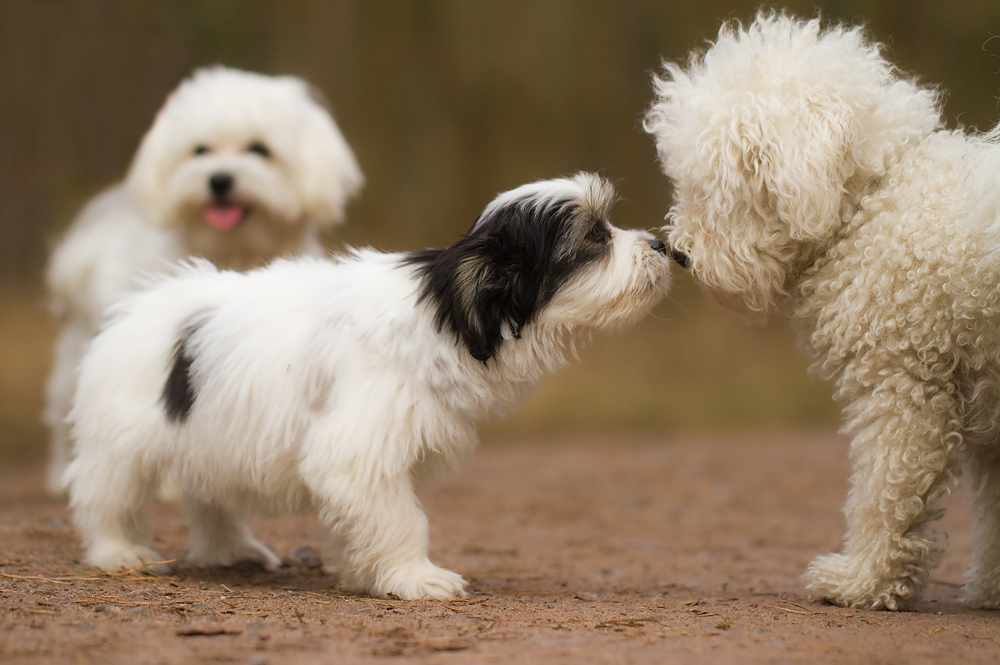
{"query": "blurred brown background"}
[(445, 103)]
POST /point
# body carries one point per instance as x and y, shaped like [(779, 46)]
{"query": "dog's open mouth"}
[(225, 216)]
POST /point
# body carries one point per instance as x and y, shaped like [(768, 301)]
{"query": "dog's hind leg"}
[(220, 538), (905, 458), (108, 496), (982, 587)]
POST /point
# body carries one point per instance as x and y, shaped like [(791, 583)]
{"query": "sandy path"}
[(685, 550)]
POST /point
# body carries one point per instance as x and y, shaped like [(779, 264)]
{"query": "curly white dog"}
[(339, 384), (238, 168), (814, 181)]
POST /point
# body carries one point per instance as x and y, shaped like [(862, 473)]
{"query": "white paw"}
[(126, 556), (233, 553), (260, 553), (426, 581), (847, 582), (421, 580)]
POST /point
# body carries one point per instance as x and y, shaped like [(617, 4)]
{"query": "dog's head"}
[(237, 159), (543, 254), (763, 134)]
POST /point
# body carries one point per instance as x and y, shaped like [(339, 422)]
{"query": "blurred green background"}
[(445, 103)]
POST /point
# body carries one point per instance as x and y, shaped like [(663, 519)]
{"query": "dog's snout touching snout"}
[(657, 246), (221, 183), (682, 259)]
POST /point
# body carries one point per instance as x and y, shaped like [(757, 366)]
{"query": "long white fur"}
[(324, 384), (814, 181), (155, 216)]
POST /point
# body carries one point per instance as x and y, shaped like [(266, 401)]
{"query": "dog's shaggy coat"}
[(339, 384), (238, 168), (813, 180)]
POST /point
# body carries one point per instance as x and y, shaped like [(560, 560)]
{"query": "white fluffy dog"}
[(238, 168), (814, 181), (339, 384)]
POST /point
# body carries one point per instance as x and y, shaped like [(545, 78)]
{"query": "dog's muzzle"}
[(657, 245)]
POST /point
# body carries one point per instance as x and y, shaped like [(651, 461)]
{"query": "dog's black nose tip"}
[(221, 183), (682, 259), (657, 246)]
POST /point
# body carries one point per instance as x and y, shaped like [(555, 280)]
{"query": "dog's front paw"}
[(848, 582), (413, 582), (427, 581), (230, 554), (126, 556)]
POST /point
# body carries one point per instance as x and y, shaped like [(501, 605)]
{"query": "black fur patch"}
[(500, 274), (178, 391)]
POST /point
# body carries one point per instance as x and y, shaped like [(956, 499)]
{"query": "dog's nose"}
[(221, 183), (657, 246), (682, 259)]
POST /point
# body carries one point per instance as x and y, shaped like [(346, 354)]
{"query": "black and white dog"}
[(339, 384)]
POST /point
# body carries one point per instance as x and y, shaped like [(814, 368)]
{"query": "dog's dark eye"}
[(260, 149), (599, 233), (200, 150)]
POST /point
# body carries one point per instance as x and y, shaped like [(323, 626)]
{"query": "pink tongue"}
[(224, 217)]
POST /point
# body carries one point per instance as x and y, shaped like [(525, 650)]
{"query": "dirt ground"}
[(677, 550)]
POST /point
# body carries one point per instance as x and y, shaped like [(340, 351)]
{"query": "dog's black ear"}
[(492, 282), (499, 286)]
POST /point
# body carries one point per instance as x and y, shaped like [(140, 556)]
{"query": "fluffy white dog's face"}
[(242, 165), (546, 254), (761, 135)]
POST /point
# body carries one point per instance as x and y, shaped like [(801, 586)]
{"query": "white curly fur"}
[(812, 180)]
